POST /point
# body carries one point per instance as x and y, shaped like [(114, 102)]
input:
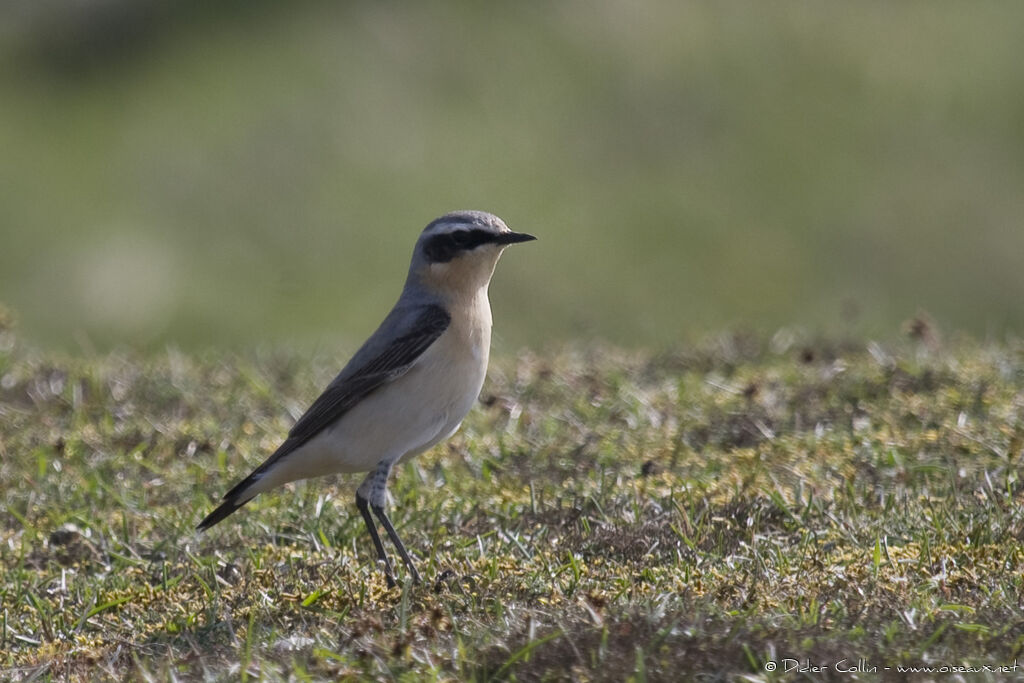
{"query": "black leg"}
[(393, 535), (364, 510)]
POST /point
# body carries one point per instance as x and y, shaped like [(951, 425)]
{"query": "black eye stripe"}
[(443, 248)]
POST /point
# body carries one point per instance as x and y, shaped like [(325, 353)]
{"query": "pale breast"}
[(457, 362), (422, 407)]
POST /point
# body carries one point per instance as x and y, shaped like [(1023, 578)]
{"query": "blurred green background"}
[(246, 173)]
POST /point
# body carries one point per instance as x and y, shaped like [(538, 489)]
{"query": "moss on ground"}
[(603, 515)]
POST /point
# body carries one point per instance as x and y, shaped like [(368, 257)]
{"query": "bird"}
[(408, 387)]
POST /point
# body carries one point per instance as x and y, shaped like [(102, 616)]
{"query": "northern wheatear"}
[(409, 386)]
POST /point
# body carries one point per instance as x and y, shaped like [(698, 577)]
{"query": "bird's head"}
[(456, 253)]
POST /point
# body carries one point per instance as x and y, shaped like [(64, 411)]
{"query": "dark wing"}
[(391, 363), (355, 382)]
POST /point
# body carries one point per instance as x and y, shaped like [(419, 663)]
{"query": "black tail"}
[(233, 499), (222, 511)]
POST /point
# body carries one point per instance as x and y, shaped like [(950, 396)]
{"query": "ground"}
[(730, 508)]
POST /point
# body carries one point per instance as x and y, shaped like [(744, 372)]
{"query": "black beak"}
[(513, 238)]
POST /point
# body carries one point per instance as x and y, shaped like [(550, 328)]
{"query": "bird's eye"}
[(446, 246)]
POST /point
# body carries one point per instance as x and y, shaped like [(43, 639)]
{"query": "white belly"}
[(401, 419), (407, 417)]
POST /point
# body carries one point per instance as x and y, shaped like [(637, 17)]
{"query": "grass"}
[(602, 514), (195, 171)]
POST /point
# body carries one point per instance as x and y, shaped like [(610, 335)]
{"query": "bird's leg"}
[(375, 490), (383, 517), (364, 510)]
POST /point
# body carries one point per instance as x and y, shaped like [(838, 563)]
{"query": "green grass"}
[(241, 166), (601, 515)]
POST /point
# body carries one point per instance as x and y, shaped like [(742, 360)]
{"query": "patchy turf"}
[(708, 512)]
